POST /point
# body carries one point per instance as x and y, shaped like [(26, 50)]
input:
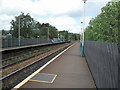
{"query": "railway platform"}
[(69, 70)]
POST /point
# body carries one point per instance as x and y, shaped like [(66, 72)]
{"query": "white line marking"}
[(53, 78), (33, 74)]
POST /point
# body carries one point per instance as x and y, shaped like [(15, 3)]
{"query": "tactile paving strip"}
[(44, 77)]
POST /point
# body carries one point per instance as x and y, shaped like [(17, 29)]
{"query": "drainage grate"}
[(44, 77)]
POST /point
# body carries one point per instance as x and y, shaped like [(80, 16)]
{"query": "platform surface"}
[(71, 69)]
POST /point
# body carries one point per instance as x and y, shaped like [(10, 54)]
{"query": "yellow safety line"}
[(39, 81), (33, 74)]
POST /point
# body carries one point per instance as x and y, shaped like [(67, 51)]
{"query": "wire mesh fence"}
[(102, 58), (14, 42)]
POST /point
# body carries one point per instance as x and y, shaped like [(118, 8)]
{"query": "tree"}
[(4, 32), (26, 25), (53, 32), (65, 34), (105, 26), (30, 28)]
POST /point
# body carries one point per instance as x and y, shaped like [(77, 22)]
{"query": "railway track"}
[(10, 65), (19, 58), (12, 79), (11, 52)]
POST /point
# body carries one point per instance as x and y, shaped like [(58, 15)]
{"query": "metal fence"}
[(14, 42), (102, 58)]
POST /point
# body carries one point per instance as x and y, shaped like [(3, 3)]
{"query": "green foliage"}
[(26, 25), (105, 26), (4, 32), (30, 28), (65, 35), (53, 32)]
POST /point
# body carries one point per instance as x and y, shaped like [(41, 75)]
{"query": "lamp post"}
[(19, 18), (19, 32), (48, 33), (82, 54), (38, 39), (10, 35), (58, 36), (9, 40), (81, 35)]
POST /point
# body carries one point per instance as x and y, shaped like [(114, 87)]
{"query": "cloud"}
[(93, 7), (66, 23), (55, 7), (63, 14), (5, 21), (63, 20), (13, 7), (58, 7), (40, 7)]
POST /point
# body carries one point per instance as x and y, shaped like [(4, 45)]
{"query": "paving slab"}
[(43, 77)]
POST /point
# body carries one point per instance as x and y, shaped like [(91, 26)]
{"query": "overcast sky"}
[(63, 14)]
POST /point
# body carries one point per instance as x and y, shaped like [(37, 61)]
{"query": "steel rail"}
[(32, 66), (20, 56), (31, 63)]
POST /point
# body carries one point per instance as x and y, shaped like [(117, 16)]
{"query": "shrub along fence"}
[(13, 42), (102, 58)]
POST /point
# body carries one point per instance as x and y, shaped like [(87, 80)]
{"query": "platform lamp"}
[(58, 36), (20, 18), (82, 52), (81, 35), (19, 31), (48, 32)]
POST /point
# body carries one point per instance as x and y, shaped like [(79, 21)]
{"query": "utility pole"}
[(81, 35), (58, 35), (83, 30), (19, 32), (48, 32)]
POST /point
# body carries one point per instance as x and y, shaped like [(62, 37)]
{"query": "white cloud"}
[(63, 20), (60, 6), (64, 14), (87, 20), (66, 23), (78, 27), (16, 6), (5, 21), (93, 7), (71, 28), (61, 23)]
